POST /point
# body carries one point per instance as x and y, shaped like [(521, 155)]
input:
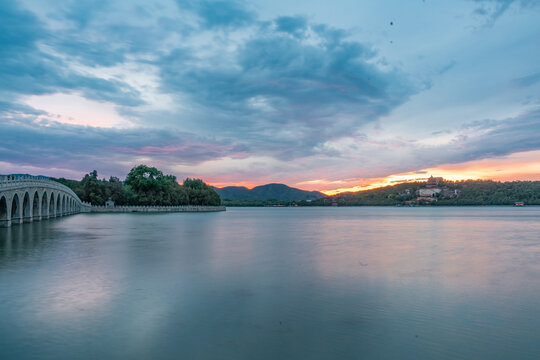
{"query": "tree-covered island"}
[(143, 185)]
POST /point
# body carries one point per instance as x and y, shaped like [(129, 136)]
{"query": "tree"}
[(199, 193), (144, 185), (94, 190)]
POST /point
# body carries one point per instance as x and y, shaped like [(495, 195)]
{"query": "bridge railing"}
[(15, 177)]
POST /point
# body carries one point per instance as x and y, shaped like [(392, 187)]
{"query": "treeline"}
[(487, 192), (389, 195), (471, 192), (144, 185)]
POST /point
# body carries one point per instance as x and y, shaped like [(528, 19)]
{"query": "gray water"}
[(274, 283)]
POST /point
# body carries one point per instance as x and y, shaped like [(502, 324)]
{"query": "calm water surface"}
[(274, 283)]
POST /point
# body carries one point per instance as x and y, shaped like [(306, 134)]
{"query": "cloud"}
[(108, 33), (293, 25), (282, 90), (493, 9), (527, 80), (26, 69), (478, 140), (294, 90), (375, 157), (223, 13), (496, 138), (204, 82), (48, 144)]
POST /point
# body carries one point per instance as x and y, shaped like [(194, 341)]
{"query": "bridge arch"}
[(4, 216), (35, 205), (44, 205), (51, 206), (27, 207), (58, 205), (15, 209)]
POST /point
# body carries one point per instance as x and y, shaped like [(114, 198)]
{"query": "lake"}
[(274, 283)]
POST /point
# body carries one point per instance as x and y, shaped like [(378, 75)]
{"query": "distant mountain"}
[(234, 193), (267, 192)]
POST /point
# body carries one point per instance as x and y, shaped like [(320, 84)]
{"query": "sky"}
[(320, 95)]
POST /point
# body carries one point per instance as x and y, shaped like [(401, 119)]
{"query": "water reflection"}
[(20, 241), (274, 283)]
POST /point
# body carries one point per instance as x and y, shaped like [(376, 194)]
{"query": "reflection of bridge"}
[(26, 198)]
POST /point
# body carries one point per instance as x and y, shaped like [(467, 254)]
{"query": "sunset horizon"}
[(515, 167)]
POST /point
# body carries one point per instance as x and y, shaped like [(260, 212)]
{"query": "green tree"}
[(199, 193), (144, 185)]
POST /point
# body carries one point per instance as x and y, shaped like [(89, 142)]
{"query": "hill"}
[(280, 192), (468, 192)]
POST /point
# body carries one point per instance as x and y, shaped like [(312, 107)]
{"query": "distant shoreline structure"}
[(156, 209)]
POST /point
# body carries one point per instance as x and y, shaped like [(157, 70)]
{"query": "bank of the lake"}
[(155, 209)]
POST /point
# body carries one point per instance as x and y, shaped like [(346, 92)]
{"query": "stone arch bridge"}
[(25, 198)]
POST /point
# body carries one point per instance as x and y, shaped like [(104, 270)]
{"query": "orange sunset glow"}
[(519, 166)]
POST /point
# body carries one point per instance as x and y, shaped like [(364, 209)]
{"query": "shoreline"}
[(389, 206), (153, 209)]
